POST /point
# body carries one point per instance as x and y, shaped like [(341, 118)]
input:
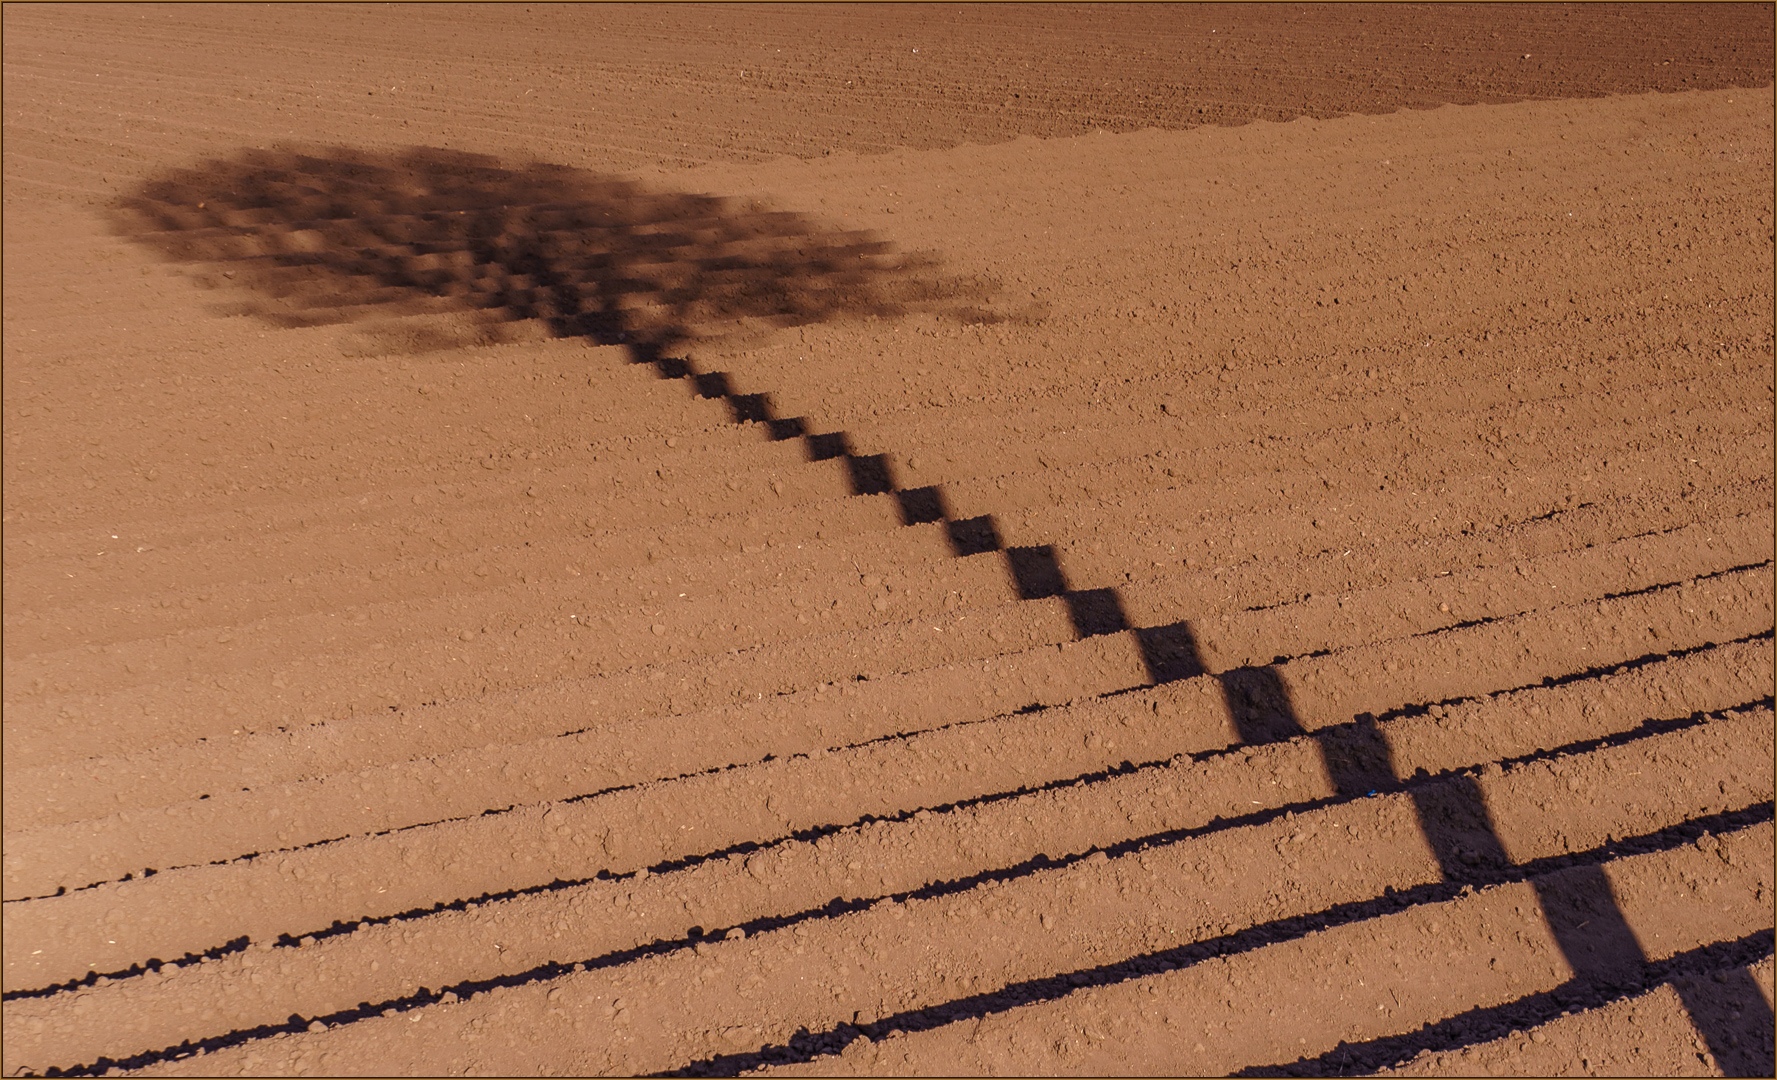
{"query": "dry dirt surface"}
[(551, 540)]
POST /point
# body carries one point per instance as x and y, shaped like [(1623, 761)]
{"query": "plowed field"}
[(888, 540)]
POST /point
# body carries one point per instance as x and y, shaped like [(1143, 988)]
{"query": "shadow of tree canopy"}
[(338, 235)]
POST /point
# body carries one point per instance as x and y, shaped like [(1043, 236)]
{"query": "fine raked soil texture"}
[(1020, 540)]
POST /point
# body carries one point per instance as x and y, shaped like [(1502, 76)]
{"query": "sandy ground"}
[(888, 540)]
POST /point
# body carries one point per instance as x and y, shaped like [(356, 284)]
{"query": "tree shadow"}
[(345, 235), (341, 235)]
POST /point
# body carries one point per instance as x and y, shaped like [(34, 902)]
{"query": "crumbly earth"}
[(834, 540)]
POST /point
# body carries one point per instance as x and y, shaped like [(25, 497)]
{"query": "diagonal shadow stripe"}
[(808, 1047), (1580, 909), (340, 928), (1033, 571), (1723, 961)]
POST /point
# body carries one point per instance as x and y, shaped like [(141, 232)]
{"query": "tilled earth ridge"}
[(1283, 598)]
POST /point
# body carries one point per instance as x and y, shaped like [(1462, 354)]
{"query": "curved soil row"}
[(507, 571), (85, 852)]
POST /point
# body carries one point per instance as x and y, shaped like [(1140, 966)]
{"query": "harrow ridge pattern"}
[(1292, 598)]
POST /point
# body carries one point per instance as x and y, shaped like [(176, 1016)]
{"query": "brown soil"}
[(897, 540)]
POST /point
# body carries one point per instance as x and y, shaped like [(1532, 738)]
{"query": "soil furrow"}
[(819, 540), (104, 720), (262, 758), (1329, 532), (1250, 388), (1475, 387), (624, 830), (1158, 898), (1462, 596), (38, 798), (1492, 947), (1147, 727), (1510, 652), (1047, 479), (108, 849), (1646, 1034)]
